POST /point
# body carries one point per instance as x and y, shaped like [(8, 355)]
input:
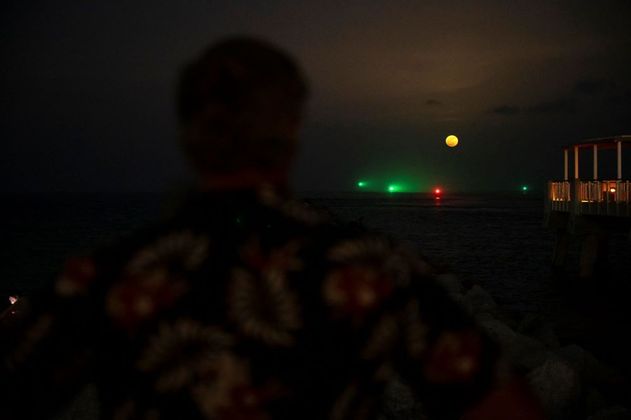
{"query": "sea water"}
[(498, 241)]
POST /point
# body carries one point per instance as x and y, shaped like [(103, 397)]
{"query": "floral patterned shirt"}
[(244, 305)]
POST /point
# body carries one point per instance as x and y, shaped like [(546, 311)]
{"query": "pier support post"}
[(619, 153), (593, 254), (575, 162), (595, 162), (559, 255), (565, 165)]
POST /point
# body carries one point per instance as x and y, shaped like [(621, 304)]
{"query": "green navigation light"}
[(394, 188), (361, 184), (524, 188)]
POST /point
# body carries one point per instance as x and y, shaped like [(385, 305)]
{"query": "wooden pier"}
[(589, 210)]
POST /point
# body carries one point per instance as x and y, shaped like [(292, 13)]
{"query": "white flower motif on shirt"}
[(155, 278), (383, 337), (179, 251), (397, 261), (263, 307), (294, 209), (183, 353)]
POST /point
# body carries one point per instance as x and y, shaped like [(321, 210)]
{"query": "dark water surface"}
[(497, 241), (41, 231)]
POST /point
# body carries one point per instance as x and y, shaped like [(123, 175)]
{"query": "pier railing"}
[(606, 197)]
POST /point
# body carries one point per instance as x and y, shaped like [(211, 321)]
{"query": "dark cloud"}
[(563, 105), (593, 87), (507, 110), (433, 102)]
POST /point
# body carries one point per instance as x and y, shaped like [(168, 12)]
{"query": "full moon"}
[(451, 141)]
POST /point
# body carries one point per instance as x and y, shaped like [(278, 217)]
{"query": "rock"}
[(594, 401), (527, 352), (478, 300), (546, 335), (523, 352), (591, 369), (496, 329), (534, 326), (558, 387), (612, 413), (451, 283), (529, 323), (485, 317)]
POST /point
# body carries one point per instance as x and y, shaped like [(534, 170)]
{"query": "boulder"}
[(591, 369), (477, 300), (529, 323), (451, 284), (496, 329), (546, 335), (533, 325), (594, 401), (523, 352), (558, 387), (527, 353)]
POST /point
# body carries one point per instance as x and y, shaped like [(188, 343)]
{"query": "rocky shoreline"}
[(570, 382)]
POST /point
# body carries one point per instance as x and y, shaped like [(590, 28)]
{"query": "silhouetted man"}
[(247, 304)]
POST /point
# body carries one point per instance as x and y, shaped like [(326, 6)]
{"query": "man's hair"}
[(236, 104)]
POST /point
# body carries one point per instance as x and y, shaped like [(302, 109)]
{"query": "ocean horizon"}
[(497, 240)]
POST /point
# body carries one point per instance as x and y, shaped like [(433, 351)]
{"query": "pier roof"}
[(602, 142)]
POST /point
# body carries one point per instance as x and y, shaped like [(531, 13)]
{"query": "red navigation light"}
[(437, 193)]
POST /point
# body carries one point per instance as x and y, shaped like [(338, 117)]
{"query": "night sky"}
[(88, 86)]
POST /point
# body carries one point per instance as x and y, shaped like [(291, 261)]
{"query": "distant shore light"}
[(451, 140)]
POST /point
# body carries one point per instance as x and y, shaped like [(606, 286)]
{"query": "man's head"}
[(239, 106)]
